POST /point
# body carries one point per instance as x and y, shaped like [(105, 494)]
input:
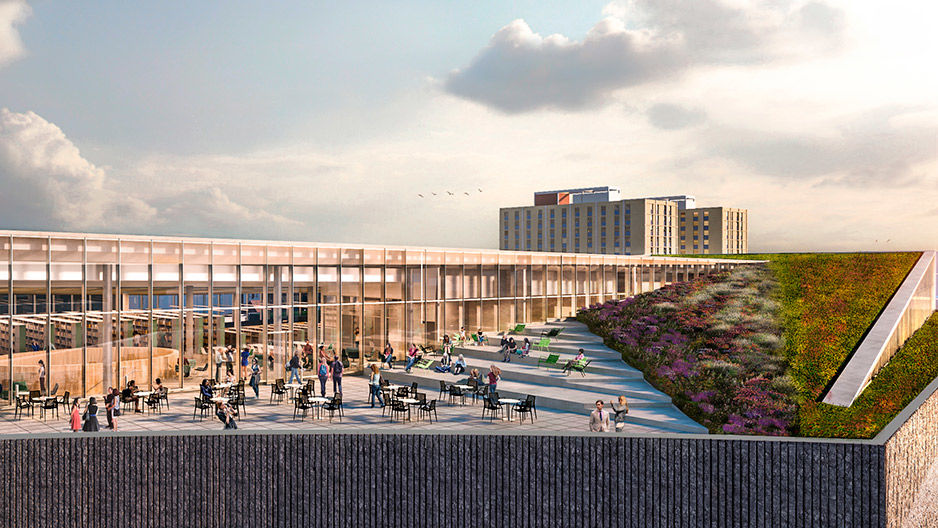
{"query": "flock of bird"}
[(450, 193)]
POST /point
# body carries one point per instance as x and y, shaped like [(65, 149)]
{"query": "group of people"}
[(599, 418), (326, 368), (88, 420), (509, 347)]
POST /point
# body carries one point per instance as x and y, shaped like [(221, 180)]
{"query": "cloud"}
[(880, 147), (47, 184), (12, 12), (45, 180), (671, 116), (638, 43)]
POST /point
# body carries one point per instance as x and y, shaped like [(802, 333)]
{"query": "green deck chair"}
[(424, 364), (543, 344), (550, 360), (517, 329)]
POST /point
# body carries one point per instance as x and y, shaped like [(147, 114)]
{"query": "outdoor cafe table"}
[(143, 394), (393, 387), (293, 387), (409, 401), (222, 399), (509, 402), (318, 401)]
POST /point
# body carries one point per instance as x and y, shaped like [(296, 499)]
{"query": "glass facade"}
[(100, 310)]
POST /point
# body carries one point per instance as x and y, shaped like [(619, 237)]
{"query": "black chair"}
[(444, 390), (164, 396), (278, 390), (389, 399), (301, 403), (203, 406), (49, 405), (413, 389), (23, 404), (429, 409), (334, 406), (456, 392), (55, 388), (399, 408), (482, 391), (237, 400), (153, 402), (63, 400), (526, 407), (491, 407)]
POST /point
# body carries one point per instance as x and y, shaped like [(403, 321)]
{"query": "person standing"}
[(255, 378), (308, 353), (374, 386), (229, 359), (621, 408), (295, 368), (219, 360), (91, 416), (323, 375), (389, 356), (337, 369), (245, 354), (108, 407), (75, 422), (494, 375), (599, 419), (42, 377), (357, 338)]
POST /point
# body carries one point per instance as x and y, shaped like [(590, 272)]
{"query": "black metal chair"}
[(153, 402), (63, 400), (399, 408), (203, 406), (334, 406), (237, 400), (428, 408), (444, 389), (481, 391), (164, 396), (491, 407), (23, 404), (278, 390), (456, 392), (49, 405), (389, 398), (413, 389), (55, 388), (526, 407), (301, 403)]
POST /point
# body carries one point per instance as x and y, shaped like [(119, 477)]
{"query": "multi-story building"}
[(714, 231), (597, 220)]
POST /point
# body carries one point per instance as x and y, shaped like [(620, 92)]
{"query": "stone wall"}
[(911, 450), (429, 480)]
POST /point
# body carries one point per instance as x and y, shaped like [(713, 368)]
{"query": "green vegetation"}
[(828, 300)]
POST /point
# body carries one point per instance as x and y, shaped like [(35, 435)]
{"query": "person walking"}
[(229, 359), (75, 421), (337, 369), (621, 408), (295, 368), (255, 378), (389, 356), (308, 353), (599, 419), (323, 374), (109, 400), (42, 377), (91, 416), (374, 386)]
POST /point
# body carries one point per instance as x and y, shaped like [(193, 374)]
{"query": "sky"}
[(336, 122)]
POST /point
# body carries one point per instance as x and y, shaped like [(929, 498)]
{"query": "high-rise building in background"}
[(599, 220)]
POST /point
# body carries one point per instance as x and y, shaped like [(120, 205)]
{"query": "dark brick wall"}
[(437, 480)]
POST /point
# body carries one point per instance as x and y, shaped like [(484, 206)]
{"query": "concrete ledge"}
[(905, 313)]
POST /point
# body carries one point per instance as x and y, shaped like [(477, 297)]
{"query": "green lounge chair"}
[(543, 344), (424, 364), (550, 360), (553, 332), (579, 366), (517, 329)]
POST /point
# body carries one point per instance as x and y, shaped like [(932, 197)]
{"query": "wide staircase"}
[(606, 377)]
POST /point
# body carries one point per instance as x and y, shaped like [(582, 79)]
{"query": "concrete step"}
[(606, 362)]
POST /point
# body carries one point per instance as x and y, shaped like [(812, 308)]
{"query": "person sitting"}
[(225, 414), (230, 378), (445, 360), (205, 390), (579, 356), (510, 349), (389, 356), (128, 395), (412, 354), (525, 348), (482, 338), (459, 366), (503, 344), (475, 375), (441, 368)]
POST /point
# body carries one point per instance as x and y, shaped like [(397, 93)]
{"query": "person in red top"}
[(411, 356), (494, 375)]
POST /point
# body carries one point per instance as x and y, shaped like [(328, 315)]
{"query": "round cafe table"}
[(509, 402)]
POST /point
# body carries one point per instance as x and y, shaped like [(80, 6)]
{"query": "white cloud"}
[(12, 13), (47, 184), (637, 43)]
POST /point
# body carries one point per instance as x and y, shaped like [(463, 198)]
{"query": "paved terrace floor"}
[(264, 417)]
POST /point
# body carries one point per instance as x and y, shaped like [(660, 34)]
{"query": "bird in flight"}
[(467, 194), (420, 195), (480, 190), (449, 193)]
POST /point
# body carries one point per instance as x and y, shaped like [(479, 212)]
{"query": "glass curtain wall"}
[(99, 312)]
